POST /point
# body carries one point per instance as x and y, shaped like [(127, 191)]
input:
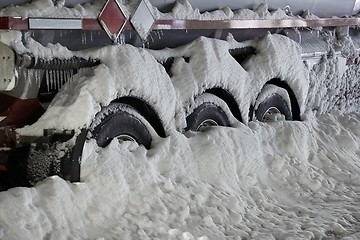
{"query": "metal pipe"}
[(29, 61)]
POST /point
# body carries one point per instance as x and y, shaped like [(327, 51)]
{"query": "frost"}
[(278, 180)]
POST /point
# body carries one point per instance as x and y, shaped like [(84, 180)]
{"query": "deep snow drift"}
[(285, 180), (281, 180)]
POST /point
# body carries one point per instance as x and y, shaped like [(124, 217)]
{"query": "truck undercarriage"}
[(54, 54)]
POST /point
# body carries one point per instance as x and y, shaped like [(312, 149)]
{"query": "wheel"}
[(207, 114), (120, 121), (273, 104)]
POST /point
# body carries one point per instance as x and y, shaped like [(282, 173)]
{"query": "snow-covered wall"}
[(334, 81)]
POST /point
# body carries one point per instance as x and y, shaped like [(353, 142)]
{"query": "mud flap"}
[(36, 161), (71, 162), (15, 175)]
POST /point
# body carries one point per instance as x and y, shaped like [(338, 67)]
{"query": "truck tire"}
[(208, 114), (273, 103), (120, 121)]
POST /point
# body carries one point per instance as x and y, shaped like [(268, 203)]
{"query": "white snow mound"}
[(283, 180)]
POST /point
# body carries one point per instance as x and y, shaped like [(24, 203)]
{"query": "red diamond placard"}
[(112, 19)]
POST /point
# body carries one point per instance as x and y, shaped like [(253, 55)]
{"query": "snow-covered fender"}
[(125, 71), (199, 66), (207, 63), (277, 57)]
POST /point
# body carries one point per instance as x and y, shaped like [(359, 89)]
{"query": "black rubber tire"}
[(206, 111), (120, 122), (274, 100)]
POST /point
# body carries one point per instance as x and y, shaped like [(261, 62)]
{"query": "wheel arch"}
[(229, 99), (295, 107), (146, 110)]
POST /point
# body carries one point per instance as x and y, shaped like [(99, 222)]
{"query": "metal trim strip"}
[(51, 23), (253, 24)]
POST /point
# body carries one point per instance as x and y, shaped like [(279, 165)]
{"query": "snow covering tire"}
[(121, 121), (206, 115), (273, 104)]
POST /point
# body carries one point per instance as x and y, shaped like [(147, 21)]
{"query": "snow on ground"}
[(281, 180), (285, 180)]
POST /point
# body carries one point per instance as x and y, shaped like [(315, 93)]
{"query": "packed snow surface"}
[(279, 180), (284, 180)]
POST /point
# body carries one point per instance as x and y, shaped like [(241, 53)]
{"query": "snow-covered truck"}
[(134, 53)]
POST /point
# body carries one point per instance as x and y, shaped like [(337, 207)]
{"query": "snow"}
[(269, 90), (334, 82), (279, 180), (283, 180), (183, 10), (210, 66), (119, 75), (49, 8)]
